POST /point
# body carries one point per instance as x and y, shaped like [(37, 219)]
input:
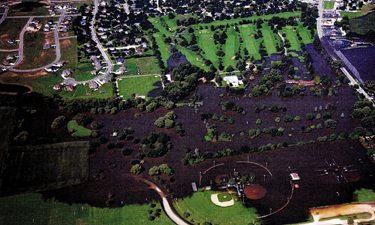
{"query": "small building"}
[(65, 73), (294, 176), (46, 46), (69, 88), (120, 61), (94, 85), (57, 87), (194, 186)]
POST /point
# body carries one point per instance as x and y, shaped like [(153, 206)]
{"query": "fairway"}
[(251, 44), (76, 130), (270, 39), (231, 47), (138, 85), (200, 207), (26, 208), (208, 46)]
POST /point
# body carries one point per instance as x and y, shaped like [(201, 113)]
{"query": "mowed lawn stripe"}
[(192, 58), (231, 47), (292, 37), (138, 85), (251, 44), (209, 48), (269, 39)]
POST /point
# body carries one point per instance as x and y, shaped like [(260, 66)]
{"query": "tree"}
[(243, 180), (258, 121), (81, 119), (309, 116), (126, 151), (136, 169), (58, 122), (231, 121), (169, 123), (159, 122), (330, 123), (288, 118), (154, 171)]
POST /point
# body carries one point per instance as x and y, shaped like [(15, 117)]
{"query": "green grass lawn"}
[(138, 85), (206, 43), (24, 208), (200, 207), (68, 49), (251, 44), (364, 195), (83, 91), (328, 5), (231, 47), (11, 29), (83, 72), (270, 39), (147, 65), (132, 68), (77, 130), (224, 197)]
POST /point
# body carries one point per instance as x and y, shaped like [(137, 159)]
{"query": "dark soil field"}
[(110, 170)]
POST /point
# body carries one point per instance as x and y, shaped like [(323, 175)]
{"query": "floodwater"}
[(364, 61), (176, 60), (13, 88)]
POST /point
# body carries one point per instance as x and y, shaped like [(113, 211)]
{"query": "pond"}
[(176, 60), (13, 88)]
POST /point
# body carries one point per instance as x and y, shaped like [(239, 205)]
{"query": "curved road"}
[(4, 14)]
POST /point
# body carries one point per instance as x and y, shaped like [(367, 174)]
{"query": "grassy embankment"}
[(26, 208), (138, 85), (201, 209)]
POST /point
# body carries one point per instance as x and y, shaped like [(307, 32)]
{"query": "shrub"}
[(297, 118), (215, 117), (223, 118), (126, 151), (288, 118), (277, 120), (327, 115), (258, 121), (154, 171), (332, 137), (318, 116), (319, 126), (309, 116), (308, 130), (330, 123), (231, 121), (136, 169), (344, 135)]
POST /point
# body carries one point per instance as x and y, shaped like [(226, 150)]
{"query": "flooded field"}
[(364, 61)]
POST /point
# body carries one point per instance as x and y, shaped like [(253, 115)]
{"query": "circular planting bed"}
[(255, 191)]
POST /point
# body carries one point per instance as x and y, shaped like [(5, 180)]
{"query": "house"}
[(69, 88), (144, 44), (52, 69), (46, 46), (139, 51), (60, 63), (10, 57), (294, 176), (65, 73), (97, 65), (94, 85), (137, 40), (11, 41), (120, 61), (94, 72), (83, 22), (121, 70), (57, 87)]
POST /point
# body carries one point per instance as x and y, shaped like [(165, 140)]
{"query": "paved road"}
[(343, 69), (58, 54), (4, 14), (167, 207)]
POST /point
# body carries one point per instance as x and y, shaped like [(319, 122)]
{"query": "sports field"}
[(328, 4), (200, 208)]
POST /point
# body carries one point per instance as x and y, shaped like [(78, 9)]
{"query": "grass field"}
[(83, 91), (224, 197), (77, 130), (200, 207), (68, 49), (28, 9), (138, 85), (328, 4), (208, 46), (147, 65), (364, 195), (251, 44), (270, 39), (11, 29), (83, 72), (23, 209)]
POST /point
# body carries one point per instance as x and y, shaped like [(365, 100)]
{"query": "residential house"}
[(65, 73), (69, 88), (137, 40), (57, 87), (11, 41), (60, 63), (97, 65), (94, 72), (11, 57), (94, 85), (46, 46), (120, 61), (121, 70), (52, 69)]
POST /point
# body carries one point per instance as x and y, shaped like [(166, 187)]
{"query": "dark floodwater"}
[(13, 88), (364, 61), (176, 61)]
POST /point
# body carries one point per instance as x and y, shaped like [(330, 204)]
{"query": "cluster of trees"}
[(365, 110), (166, 121), (156, 145), (229, 105), (253, 133), (157, 170)]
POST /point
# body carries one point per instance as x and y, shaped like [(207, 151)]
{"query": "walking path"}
[(283, 39), (166, 205)]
